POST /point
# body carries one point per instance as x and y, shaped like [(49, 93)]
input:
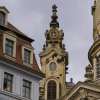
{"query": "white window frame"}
[(31, 55), (6, 15), (30, 87), (12, 38), (2, 18), (11, 86)]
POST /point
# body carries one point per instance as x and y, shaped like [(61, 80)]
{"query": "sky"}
[(33, 17)]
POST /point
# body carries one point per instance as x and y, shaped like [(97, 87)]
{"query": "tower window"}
[(9, 46), (26, 89), (98, 67), (2, 18), (51, 90), (8, 82)]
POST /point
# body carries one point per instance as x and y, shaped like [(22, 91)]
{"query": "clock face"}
[(53, 34), (52, 66)]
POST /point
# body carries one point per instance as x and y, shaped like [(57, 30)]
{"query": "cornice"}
[(50, 50), (19, 34), (21, 67)]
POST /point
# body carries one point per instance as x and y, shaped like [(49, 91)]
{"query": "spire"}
[(54, 17)]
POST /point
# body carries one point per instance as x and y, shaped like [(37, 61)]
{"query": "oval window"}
[(52, 66)]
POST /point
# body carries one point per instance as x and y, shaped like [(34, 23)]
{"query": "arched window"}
[(2, 18), (51, 90), (84, 98)]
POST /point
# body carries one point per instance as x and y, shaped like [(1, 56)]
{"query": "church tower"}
[(93, 70), (96, 20), (54, 60)]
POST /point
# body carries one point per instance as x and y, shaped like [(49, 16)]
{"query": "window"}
[(26, 89), (27, 55), (9, 46), (84, 98), (98, 67), (52, 66), (2, 18), (8, 82), (51, 90)]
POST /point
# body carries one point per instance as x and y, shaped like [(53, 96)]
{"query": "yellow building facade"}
[(54, 60)]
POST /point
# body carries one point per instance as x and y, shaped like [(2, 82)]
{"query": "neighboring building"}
[(90, 89), (54, 60), (19, 71)]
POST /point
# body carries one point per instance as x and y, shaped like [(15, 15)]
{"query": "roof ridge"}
[(13, 28)]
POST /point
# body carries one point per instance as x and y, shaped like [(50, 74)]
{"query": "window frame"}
[(98, 67), (12, 38), (31, 55), (9, 46), (24, 92), (9, 79), (3, 18), (27, 56)]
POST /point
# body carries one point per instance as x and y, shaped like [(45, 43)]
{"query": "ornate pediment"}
[(83, 90)]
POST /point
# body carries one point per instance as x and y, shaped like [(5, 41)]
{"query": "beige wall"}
[(58, 75)]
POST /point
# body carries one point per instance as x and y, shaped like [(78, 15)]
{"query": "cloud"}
[(33, 17)]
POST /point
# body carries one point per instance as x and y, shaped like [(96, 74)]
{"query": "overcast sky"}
[(33, 16)]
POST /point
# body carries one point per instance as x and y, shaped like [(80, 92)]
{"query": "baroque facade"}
[(54, 60), (20, 76), (19, 71)]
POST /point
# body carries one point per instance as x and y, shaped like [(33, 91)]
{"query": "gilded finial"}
[(54, 17)]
